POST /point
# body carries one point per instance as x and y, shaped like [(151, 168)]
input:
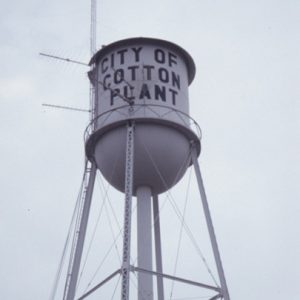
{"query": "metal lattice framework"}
[(126, 267)]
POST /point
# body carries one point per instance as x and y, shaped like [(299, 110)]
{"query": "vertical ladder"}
[(125, 269)]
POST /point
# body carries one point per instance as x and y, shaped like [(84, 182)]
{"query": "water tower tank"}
[(144, 81)]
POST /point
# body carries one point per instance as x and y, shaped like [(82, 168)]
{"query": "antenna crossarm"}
[(65, 107), (64, 59)]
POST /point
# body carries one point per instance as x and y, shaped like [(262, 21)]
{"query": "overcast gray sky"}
[(245, 97)]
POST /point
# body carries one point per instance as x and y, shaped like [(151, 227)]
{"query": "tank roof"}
[(150, 41)]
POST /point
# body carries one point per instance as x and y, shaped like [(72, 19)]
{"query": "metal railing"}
[(159, 112)]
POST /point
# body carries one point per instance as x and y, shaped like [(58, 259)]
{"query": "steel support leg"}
[(210, 225), (144, 241), (159, 269), (76, 259), (125, 269)]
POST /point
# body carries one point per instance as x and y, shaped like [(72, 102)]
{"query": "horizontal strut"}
[(133, 268)]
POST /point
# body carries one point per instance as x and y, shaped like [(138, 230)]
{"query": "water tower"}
[(141, 129)]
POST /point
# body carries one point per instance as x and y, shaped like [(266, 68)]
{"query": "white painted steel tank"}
[(144, 80)]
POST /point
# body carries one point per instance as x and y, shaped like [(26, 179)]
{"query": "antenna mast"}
[(90, 175), (93, 27), (93, 45)]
